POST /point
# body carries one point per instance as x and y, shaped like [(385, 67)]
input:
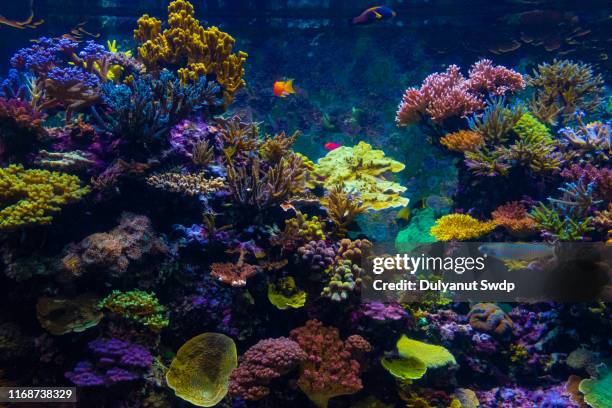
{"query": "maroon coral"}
[(591, 174), (235, 274), (265, 361), (114, 251), (449, 94), (331, 369)]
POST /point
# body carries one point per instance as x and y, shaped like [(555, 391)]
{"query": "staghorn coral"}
[(31, 197), (75, 160), (602, 178), (330, 369), (274, 148), (554, 225), (232, 274), (592, 140), (113, 253), (462, 141), (342, 209), (265, 361), (65, 315), (514, 217), (361, 171), (138, 306), (200, 371), (186, 183), (449, 94), (563, 87), (204, 52), (460, 227), (497, 121)]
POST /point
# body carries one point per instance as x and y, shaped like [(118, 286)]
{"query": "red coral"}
[(514, 217), (450, 94), (330, 369), (495, 80), (265, 361), (233, 274)]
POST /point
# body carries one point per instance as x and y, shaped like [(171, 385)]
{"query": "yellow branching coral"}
[(361, 170), (460, 227), (32, 196), (205, 51), (187, 183), (200, 371), (462, 141)]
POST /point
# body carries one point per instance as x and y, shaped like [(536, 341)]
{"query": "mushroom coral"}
[(30, 196), (200, 371), (361, 169), (206, 51)]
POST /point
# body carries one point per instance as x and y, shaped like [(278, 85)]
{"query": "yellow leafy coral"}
[(31, 196), (460, 227), (205, 51), (361, 170), (200, 371)]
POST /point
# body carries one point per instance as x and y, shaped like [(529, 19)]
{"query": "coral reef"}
[(460, 227), (138, 306)]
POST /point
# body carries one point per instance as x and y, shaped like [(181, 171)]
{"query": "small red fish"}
[(329, 146), (283, 88)]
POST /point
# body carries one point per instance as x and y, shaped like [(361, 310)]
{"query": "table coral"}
[(285, 294), (460, 227), (200, 371), (330, 369), (31, 197), (64, 315), (361, 171), (415, 357), (205, 51), (138, 306), (267, 360)]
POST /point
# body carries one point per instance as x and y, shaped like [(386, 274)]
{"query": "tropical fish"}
[(373, 14), (283, 88), (329, 146), (517, 250)]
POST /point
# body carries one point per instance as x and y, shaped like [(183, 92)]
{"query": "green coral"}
[(286, 294), (598, 391), (361, 170), (532, 130), (417, 232), (345, 279), (562, 228), (415, 357), (138, 306), (30, 197), (308, 229)]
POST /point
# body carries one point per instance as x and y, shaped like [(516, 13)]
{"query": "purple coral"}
[(318, 255), (265, 361), (383, 311), (188, 134), (73, 75), (116, 361)]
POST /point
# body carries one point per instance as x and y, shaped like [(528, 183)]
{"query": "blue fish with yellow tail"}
[(374, 14)]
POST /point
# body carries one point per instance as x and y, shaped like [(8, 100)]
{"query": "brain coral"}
[(490, 318), (200, 371)]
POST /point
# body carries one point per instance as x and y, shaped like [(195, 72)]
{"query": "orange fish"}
[(283, 88), (329, 146)]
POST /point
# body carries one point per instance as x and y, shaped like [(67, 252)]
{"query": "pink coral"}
[(330, 369), (265, 361), (450, 94), (235, 274)]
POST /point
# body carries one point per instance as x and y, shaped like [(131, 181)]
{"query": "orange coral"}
[(232, 274), (462, 141), (514, 217)]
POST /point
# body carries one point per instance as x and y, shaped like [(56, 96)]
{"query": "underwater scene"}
[(305, 203)]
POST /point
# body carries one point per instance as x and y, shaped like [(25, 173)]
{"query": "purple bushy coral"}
[(44, 55), (71, 75), (517, 397), (116, 361), (188, 133), (380, 311), (318, 255)]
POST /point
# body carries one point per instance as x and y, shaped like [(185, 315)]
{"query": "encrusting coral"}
[(204, 51), (460, 227), (30, 197), (64, 315), (361, 170)]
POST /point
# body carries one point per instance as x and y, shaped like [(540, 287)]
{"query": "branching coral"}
[(74, 160), (31, 196), (202, 51), (342, 209), (557, 226), (514, 217), (497, 121), (592, 140), (187, 183), (450, 94), (591, 174), (274, 148), (563, 87), (361, 171), (462, 141), (20, 129), (266, 360), (330, 369), (138, 306), (460, 227), (234, 274)]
